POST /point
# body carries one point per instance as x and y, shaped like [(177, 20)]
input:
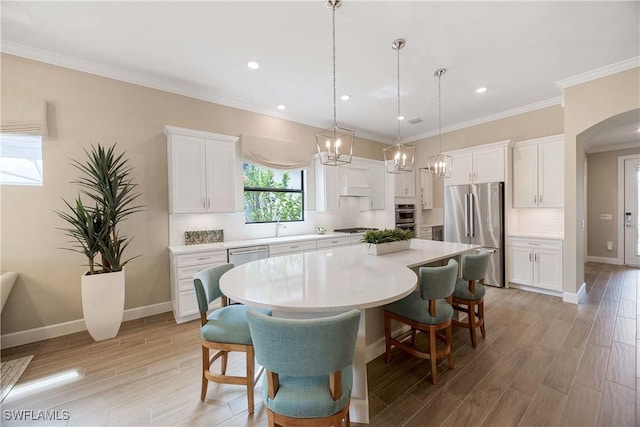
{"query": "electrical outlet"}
[(608, 217), (609, 246)]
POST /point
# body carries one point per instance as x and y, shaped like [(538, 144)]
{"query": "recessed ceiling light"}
[(282, 107), (481, 90), (345, 97), (400, 117), (253, 65)]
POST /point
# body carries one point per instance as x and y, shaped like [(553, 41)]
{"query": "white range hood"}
[(354, 182)]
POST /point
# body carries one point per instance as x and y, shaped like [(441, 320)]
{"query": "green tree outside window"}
[(272, 195)]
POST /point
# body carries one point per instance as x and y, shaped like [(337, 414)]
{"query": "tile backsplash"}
[(539, 221), (234, 227)]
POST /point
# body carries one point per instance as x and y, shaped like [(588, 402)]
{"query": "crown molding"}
[(159, 84), (493, 117), (601, 149), (600, 72)]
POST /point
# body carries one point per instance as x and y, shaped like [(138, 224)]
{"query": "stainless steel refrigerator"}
[(475, 214)]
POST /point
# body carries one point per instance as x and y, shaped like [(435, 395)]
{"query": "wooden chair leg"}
[(449, 339), (271, 417), (432, 354), (471, 315), (347, 420), (387, 337), (205, 367), (223, 362), (481, 315), (250, 375)]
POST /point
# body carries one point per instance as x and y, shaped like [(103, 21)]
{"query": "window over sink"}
[(272, 195)]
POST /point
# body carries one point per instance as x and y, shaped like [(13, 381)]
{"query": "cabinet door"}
[(327, 191), (187, 174), (548, 269), (488, 166), (461, 170), (220, 168), (519, 265), (376, 181), (405, 184), (551, 174), (525, 176), (426, 189)]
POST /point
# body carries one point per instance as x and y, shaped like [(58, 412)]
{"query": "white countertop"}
[(335, 279), (185, 249)]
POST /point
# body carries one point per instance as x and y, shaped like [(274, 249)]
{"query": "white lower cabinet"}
[(292, 248), (535, 262), (330, 243), (183, 267)]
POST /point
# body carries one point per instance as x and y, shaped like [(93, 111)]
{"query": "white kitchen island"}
[(335, 280)]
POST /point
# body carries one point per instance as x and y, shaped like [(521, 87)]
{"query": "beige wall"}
[(602, 198), (85, 109), (586, 105)]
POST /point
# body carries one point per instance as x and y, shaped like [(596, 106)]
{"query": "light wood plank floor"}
[(544, 362)]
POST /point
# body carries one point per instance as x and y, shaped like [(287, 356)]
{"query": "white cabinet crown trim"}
[(550, 138), (173, 130), (491, 145)]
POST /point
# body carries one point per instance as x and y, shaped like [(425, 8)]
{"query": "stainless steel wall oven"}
[(406, 217)]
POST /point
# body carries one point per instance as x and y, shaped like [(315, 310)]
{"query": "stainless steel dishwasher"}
[(239, 256)]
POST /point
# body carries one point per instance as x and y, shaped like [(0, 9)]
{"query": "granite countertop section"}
[(529, 235), (185, 249)]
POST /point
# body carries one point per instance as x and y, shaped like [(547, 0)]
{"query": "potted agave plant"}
[(388, 240), (106, 183)]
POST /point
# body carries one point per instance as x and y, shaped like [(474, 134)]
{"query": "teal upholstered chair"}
[(469, 292), (308, 362), (225, 329), (427, 311)]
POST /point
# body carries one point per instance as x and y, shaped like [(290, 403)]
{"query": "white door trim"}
[(621, 160)]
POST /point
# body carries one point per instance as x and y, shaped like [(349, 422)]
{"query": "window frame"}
[(38, 164), (277, 190)]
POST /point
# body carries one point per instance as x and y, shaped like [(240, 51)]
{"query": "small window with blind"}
[(20, 160), (272, 195)]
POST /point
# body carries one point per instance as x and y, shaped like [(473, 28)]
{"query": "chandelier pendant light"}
[(440, 165), (335, 144), (399, 158)]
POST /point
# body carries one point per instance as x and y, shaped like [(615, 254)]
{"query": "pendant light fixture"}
[(335, 144), (440, 164), (399, 158)]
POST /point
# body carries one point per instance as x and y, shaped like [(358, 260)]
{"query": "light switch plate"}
[(606, 216)]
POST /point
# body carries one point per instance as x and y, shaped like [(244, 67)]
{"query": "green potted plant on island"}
[(94, 229), (388, 240)]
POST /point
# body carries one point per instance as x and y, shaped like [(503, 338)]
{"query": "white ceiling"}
[(518, 50)]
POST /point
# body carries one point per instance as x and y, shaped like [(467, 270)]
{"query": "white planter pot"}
[(387, 248), (103, 303)]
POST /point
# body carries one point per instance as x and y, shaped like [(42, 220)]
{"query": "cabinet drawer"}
[(187, 303), (337, 241), (188, 271), (284, 248), (356, 239), (200, 258), (536, 243)]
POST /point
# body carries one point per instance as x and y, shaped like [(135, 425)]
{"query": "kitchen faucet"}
[(279, 225)]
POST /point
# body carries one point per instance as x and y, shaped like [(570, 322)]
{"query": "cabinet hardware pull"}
[(334, 241), (535, 257), (203, 259), (540, 198), (529, 256), (204, 203), (294, 247), (208, 202)]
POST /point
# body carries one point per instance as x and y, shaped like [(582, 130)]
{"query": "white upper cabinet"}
[(377, 182), (405, 184), (426, 189), (538, 173), (485, 163), (327, 188), (201, 171)]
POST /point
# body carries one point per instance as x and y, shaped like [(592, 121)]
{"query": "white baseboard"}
[(535, 289), (46, 332), (575, 298), (604, 260)]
